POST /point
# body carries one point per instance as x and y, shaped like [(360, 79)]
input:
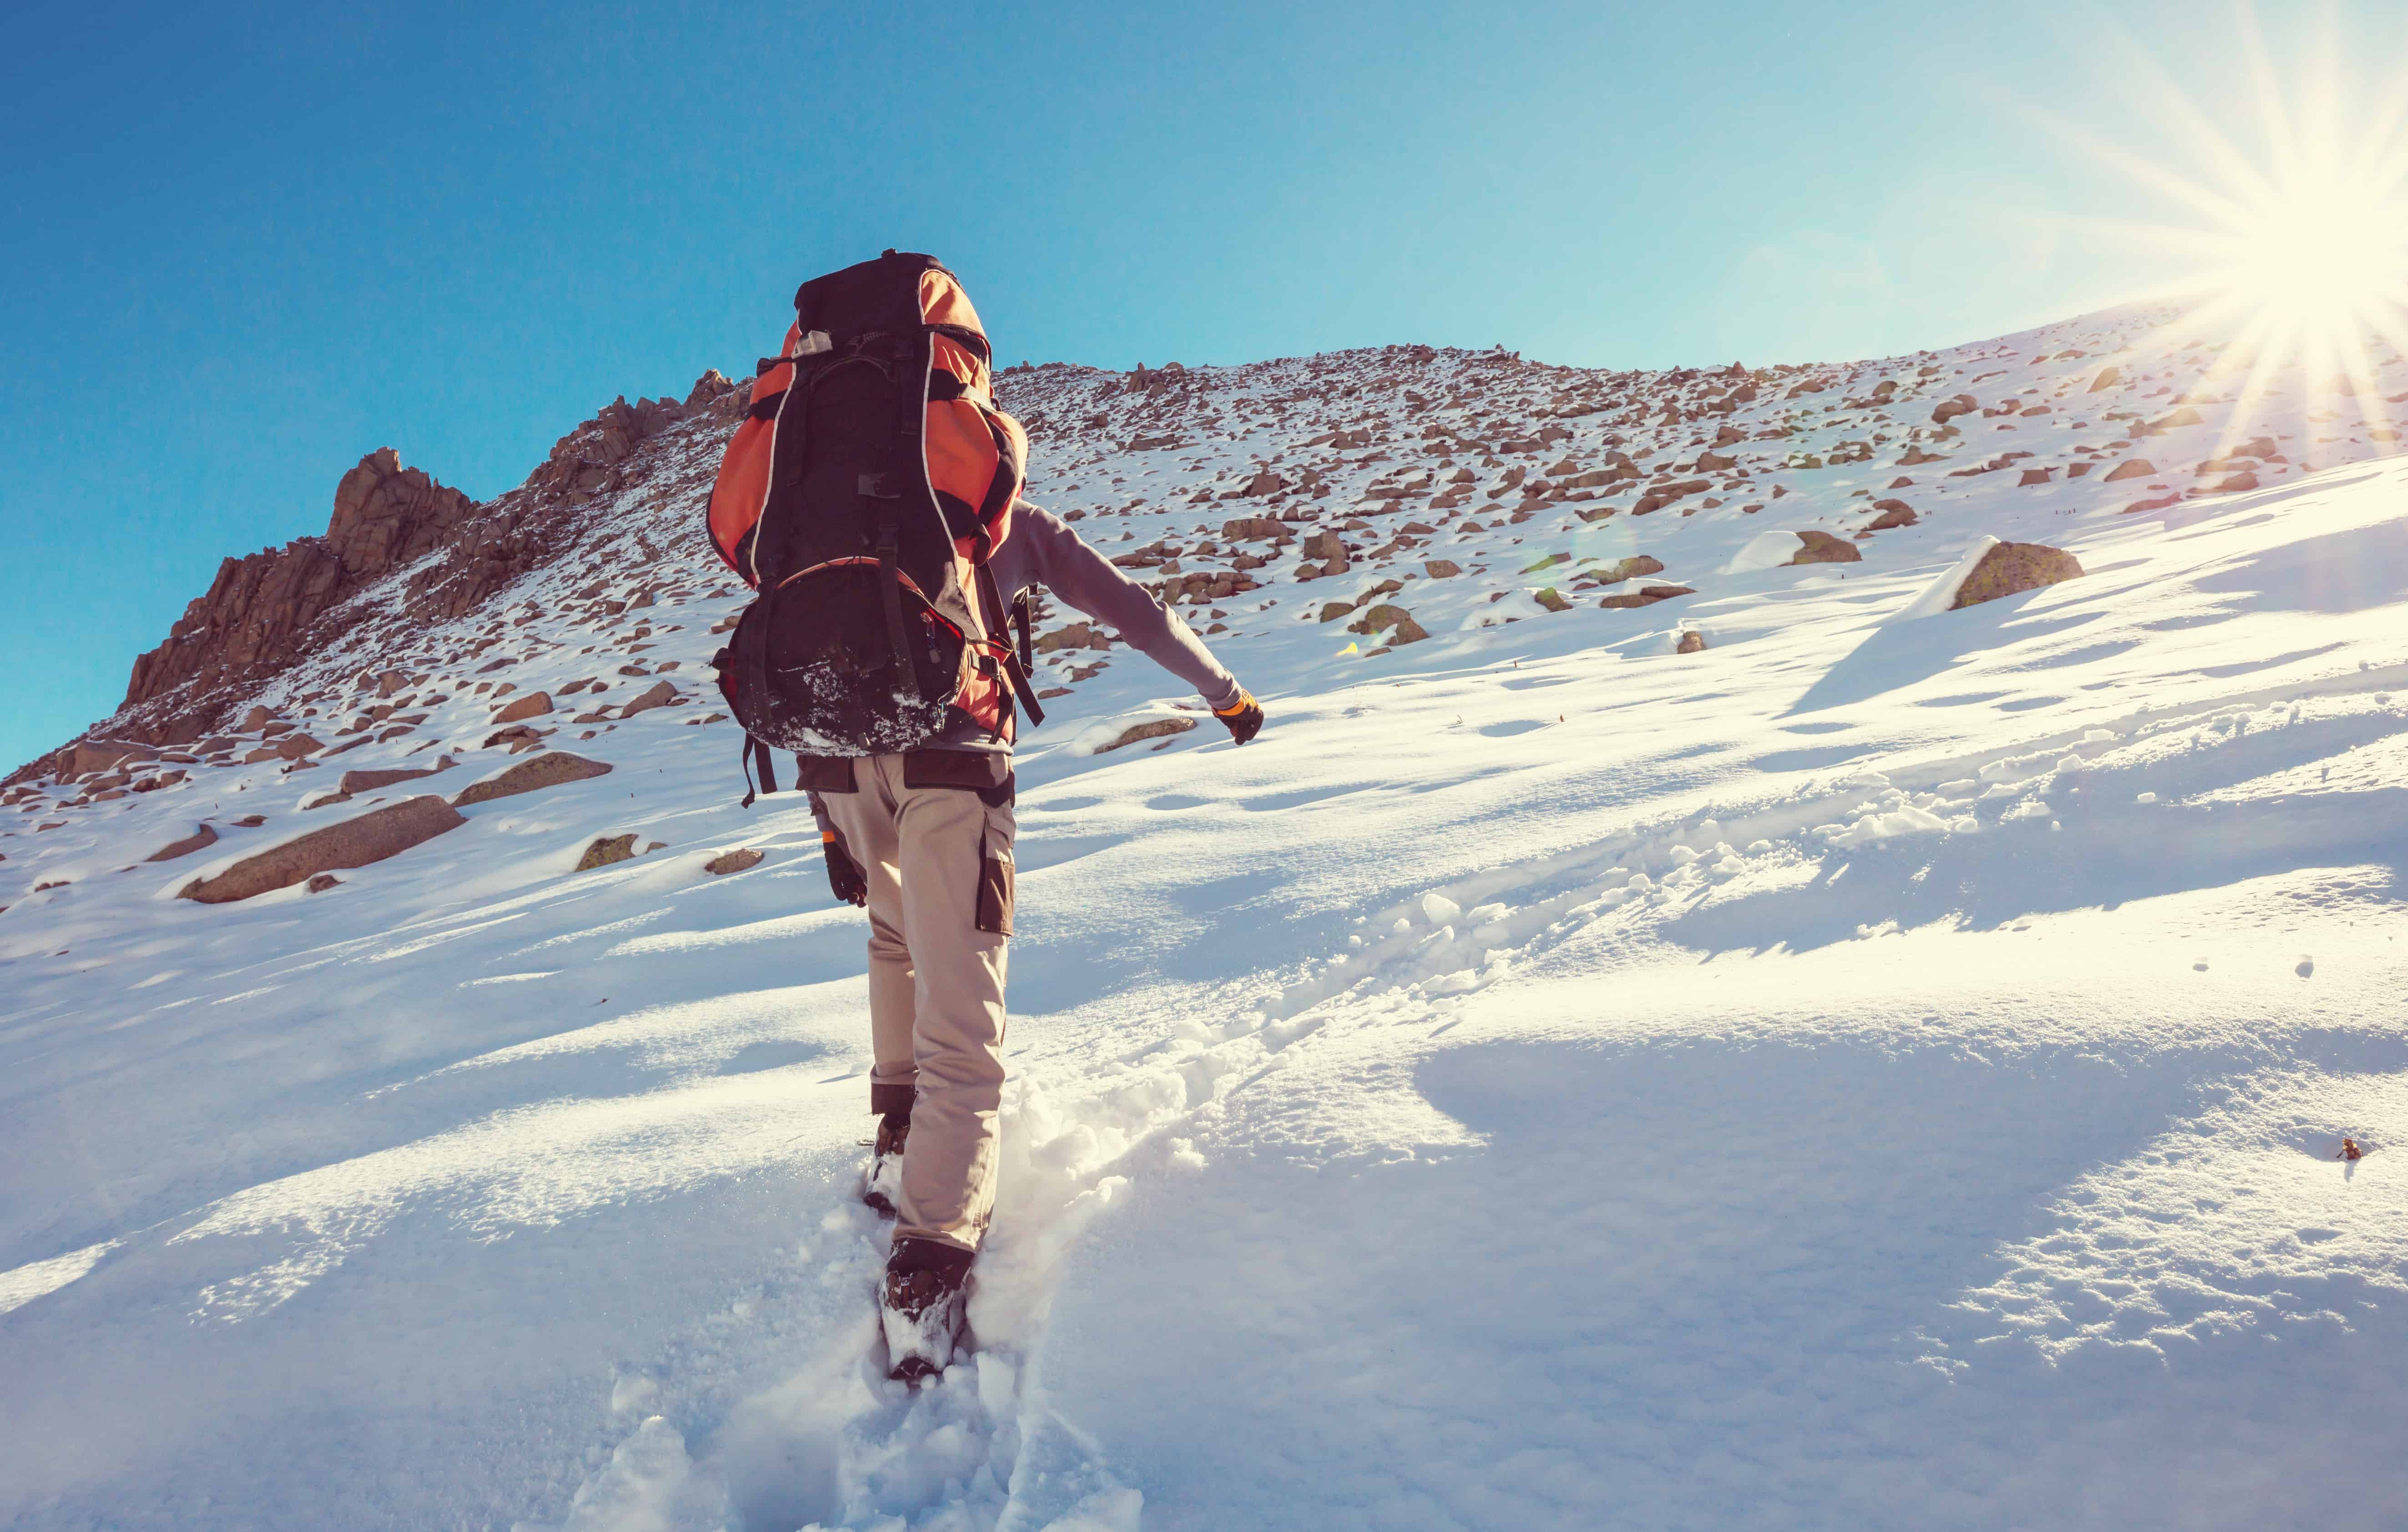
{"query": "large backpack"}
[(862, 496)]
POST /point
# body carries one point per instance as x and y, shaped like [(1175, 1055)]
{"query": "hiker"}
[(872, 495)]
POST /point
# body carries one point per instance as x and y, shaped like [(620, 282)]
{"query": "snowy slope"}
[(1881, 1071)]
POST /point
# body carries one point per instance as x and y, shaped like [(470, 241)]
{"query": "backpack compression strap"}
[(1015, 670), (756, 754)]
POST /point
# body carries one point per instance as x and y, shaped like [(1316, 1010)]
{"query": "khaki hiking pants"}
[(932, 833)]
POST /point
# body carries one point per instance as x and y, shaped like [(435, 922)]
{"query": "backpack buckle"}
[(813, 343)]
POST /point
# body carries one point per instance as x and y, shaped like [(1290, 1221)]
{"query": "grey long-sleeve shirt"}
[(1043, 551)]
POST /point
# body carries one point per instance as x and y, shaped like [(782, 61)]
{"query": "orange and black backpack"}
[(862, 496)]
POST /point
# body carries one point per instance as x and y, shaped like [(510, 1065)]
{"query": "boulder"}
[(202, 836), (1442, 568), (1330, 610), (370, 781), (1077, 636), (1622, 569), (1893, 513), (533, 704), (1691, 643), (2108, 377), (607, 850), (100, 755), (1823, 547), (2012, 566), (354, 842), (1646, 595), (659, 695), (1551, 598), (742, 859), (1253, 529), (1379, 618), (1948, 410), (549, 770), (1153, 728), (324, 881), (2135, 467)]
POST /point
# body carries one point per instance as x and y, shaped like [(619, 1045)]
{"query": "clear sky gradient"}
[(242, 245)]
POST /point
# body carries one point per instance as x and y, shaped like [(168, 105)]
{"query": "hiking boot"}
[(882, 1184), (925, 1310)]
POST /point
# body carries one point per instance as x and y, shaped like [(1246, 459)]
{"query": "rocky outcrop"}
[(586, 461), (355, 842), (246, 624), (266, 610)]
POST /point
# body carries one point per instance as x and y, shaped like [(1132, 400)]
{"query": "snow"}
[(1871, 1073)]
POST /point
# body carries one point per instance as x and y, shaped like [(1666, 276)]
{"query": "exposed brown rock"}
[(1691, 642), (2012, 566), (1823, 547), (549, 770), (1153, 728), (370, 781), (354, 842), (607, 850), (659, 695), (739, 860), (203, 836), (322, 882), (2132, 467), (533, 704), (1077, 636), (1622, 569)]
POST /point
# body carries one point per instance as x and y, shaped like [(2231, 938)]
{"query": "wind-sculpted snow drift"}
[(1880, 1071)]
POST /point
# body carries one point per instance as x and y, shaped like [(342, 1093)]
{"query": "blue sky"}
[(243, 245)]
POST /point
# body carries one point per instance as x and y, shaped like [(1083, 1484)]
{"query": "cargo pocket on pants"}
[(994, 889)]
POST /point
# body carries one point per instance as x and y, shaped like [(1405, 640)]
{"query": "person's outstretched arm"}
[(1044, 551)]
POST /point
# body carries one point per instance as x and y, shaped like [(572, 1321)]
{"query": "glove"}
[(1243, 716), (844, 876)]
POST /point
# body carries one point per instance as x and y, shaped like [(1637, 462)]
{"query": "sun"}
[(2325, 256), (2296, 247)]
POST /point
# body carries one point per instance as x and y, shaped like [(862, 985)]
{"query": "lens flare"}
[(2297, 248)]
